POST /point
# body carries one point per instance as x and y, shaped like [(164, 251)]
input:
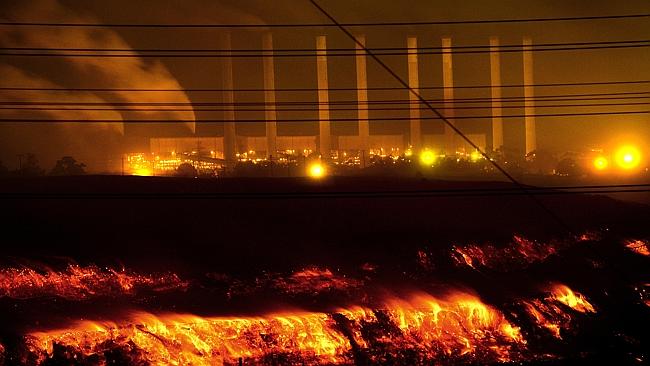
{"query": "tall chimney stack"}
[(448, 95), (229, 131), (269, 96), (495, 78), (415, 136), (529, 94), (323, 98), (362, 98)]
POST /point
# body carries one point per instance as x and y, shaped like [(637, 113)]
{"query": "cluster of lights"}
[(429, 157), (627, 158), (140, 164), (475, 156)]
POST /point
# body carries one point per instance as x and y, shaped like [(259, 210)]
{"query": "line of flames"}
[(80, 282), (456, 326)]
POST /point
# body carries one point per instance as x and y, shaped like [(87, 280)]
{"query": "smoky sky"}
[(101, 145)]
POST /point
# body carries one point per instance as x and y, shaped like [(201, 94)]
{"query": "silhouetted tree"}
[(568, 167), (29, 166), (540, 162), (67, 165), (186, 170)]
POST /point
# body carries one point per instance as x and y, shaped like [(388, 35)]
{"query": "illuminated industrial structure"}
[(495, 79), (231, 147), (529, 94)]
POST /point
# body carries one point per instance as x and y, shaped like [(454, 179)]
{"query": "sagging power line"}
[(95, 89), (330, 25), (210, 55), (305, 120)]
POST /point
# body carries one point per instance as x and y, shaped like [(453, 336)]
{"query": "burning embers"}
[(416, 330), (571, 299), (309, 281), (551, 313), (523, 322), (78, 283), (638, 246), (518, 254), (315, 280)]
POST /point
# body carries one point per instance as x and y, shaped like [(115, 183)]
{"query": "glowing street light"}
[(427, 157), (600, 163), (316, 170), (628, 157)]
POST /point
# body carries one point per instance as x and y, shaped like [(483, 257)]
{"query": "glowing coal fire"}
[(571, 299), (420, 329), (550, 315), (78, 283), (644, 293), (518, 254), (315, 280), (312, 280), (638, 246)]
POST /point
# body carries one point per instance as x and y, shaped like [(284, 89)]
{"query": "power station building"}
[(230, 146)]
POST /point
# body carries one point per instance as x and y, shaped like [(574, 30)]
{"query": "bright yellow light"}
[(427, 157), (143, 172), (628, 157), (316, 170), (601, 163), (475, 156)]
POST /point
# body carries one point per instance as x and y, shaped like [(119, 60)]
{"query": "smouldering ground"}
[(576, 299)]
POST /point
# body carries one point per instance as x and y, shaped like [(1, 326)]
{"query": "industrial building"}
[(231, 147)]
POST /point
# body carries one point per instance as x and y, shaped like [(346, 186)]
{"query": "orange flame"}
[(638, 246), (548, 316), (519, 253), (77, 282), (315, 280), (457, 326), (553, 317)]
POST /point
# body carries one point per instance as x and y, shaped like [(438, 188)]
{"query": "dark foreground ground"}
[(225, 234), (186, 224)]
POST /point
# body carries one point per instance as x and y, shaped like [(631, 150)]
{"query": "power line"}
[(170, 55), (447, 122), (305, 120), (328, 25), (199, 109), (593, 83), (539, 98), (229, 51)]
